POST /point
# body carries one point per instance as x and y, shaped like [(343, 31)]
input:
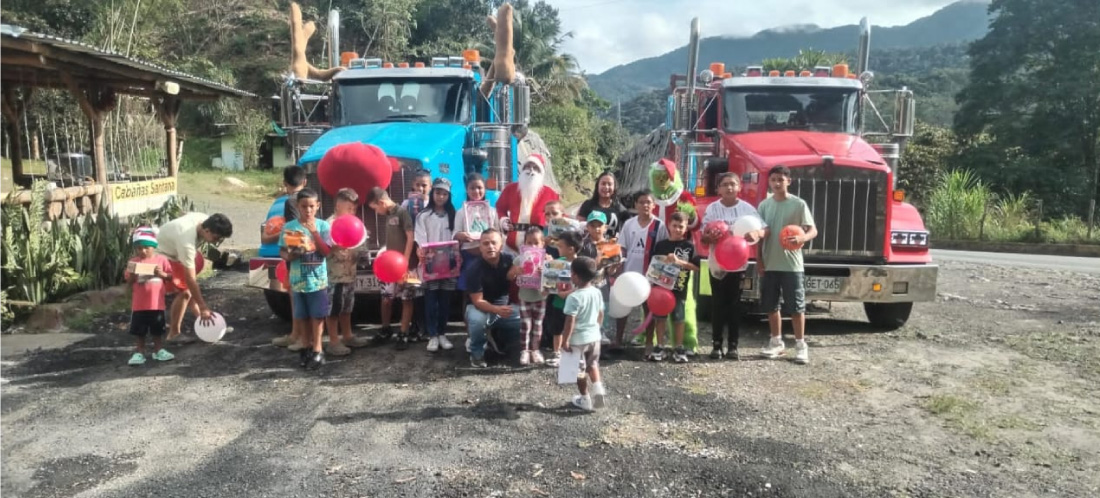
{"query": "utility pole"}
[(619, 105)]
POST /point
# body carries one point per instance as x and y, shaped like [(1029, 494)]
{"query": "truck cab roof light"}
[(754, 71), (357, 64), (822, 72), (471, 55), (455, 61), (717, 68), (788, 74), (773, 73), (899, 196), (418, 64), (374, 63), (347, 57), (439, 62), (402, 64), (387, 65), (804, 73), (840, 71)]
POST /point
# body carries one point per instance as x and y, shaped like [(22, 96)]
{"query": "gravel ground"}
[(989, 391)]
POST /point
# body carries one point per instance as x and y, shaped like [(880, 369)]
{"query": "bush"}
[(957, 206)]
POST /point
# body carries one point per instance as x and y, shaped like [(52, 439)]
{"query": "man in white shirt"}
[(637, 238)]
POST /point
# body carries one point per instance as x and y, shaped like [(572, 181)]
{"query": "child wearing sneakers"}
[(678, 251), (304, 245), (341, 280), (638, 236), (417, 201), (532, 304), (583, 314), (399, 237), (782, 269), (569, 244), (147, 316), (436, 223)]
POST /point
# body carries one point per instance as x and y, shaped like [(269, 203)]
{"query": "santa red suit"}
[(523, 203)]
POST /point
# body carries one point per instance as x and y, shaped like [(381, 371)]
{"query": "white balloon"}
[(631, 289), (212, 332), (746, 224), (616, 309)]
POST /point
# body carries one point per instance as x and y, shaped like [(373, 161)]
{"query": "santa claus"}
[(522, 203)]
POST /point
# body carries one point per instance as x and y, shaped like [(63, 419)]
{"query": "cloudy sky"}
[(607, 33)]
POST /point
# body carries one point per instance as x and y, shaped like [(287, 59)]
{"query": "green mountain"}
[(955, 24)]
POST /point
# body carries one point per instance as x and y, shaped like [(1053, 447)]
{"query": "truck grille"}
[(398, 190), (849, 209)]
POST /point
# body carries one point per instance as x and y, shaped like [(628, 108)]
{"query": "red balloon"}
[(661, 301), (200, 263), (348, 231), (790, 231), (282, 274), (357, 166), (391, 266), (719, 227), (732, 253)]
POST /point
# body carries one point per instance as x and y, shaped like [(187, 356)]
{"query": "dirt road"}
[(990, 391)]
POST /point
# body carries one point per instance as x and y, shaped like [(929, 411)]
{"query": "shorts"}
[(401, 291), (147, 322), (341, 299), (788, 283), (677, 313), (553, 322), (310, 305), (590, 354)]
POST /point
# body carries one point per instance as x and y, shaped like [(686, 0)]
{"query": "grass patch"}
[(262, 185), (819, 390), (966, 416), (946, 405), (1060, 346)]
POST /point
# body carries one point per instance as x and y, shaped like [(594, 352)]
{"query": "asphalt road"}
[(1036, 261)]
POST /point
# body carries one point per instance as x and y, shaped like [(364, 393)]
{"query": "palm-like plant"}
[(806, 60)]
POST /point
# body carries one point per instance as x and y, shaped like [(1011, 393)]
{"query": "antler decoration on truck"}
[(503, 68), (299, 38)]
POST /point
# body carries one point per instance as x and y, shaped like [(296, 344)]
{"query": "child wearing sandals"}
[(147, 316), (583, 314)]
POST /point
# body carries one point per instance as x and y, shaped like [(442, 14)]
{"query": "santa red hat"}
[(537, 160)]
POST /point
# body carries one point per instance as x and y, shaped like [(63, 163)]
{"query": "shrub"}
[(957, 204)]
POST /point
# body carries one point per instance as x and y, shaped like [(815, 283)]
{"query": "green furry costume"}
[(668, 189)]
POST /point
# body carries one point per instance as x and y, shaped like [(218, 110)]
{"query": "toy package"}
[(610, 259), (478, 217), (299, 240), (530, 262), (557, 276), (558, 226), (440, 261), (663, 273)]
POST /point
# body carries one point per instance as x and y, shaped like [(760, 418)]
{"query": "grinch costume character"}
[(668, 190)]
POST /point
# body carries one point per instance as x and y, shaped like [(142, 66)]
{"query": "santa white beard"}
[(530, 184)]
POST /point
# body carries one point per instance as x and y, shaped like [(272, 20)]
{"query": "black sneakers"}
[(303, 357), (402, 342), (316, 360), (382, 336), (716, 353)]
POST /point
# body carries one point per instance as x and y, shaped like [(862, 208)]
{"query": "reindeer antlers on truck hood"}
[(299, 38)]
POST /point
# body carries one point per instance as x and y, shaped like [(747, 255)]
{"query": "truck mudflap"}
[(851, 283), (261, 275)]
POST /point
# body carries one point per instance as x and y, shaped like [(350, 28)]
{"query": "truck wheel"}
[(888, 316), (279, 302)]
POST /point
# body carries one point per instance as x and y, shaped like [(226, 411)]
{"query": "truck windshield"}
[(749, 109), (423, 100)]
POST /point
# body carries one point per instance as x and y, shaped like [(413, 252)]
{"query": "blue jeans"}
[(437, 305), (478, 323)]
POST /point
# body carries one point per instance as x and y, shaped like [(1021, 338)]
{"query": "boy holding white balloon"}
[(741, 219), (341, 279), (781, 264), (638, 236)]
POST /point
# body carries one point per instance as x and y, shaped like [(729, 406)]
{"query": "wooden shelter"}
[(95, 77)]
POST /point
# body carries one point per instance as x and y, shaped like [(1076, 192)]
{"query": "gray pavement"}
[(1036, 261)]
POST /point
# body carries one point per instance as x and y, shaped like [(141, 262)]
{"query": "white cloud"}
[(607, 33)]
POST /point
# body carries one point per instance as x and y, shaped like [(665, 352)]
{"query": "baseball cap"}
[(597, 216), (145, 237), (441, 183)]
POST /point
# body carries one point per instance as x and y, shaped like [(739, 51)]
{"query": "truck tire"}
[(888, 316), (279, 302)]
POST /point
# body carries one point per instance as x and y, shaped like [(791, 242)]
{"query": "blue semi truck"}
[(430, 115)]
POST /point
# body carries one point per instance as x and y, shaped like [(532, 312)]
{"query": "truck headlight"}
[(909, 238)]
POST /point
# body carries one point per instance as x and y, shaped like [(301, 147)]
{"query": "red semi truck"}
[(872, 247)]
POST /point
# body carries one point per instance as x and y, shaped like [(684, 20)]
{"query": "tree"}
[(1035, 90)]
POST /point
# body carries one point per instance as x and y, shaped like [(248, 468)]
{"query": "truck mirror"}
[(904, 113)]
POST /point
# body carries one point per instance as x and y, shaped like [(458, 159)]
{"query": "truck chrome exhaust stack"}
[(863, 56), (333, 38), (693, 55)]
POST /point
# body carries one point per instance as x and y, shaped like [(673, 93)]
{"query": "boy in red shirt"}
[(148, 295)]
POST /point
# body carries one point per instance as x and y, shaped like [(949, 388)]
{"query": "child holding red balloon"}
[(781, 263), (678, 251), (305, 245), (341, 265), (725, 286), (399, 237), (415, 203)]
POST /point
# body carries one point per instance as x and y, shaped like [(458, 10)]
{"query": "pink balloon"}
[(391, 266), (661, 301), (719, 227), (348, 231), (732, 253)]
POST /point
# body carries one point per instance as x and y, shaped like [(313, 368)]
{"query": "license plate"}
[(823, 285), (367, 283)]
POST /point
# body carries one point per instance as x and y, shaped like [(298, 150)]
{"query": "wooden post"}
[(168, 109), (96, 101), (13, 110), (1039, 222), (1092, 218)]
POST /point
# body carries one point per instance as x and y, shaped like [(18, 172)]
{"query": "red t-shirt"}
[(149, 290)]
